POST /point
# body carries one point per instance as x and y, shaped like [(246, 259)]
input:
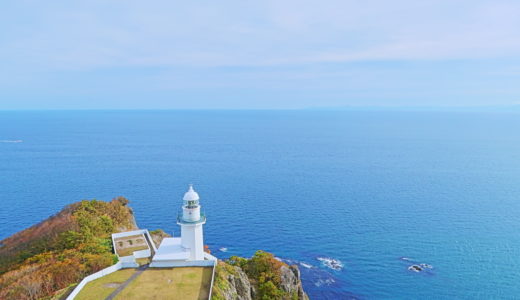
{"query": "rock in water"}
[(331, 263), (415, 268)]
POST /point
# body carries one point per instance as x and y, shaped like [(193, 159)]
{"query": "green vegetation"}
[(220, 283), (104, 286), (263, 271), (62, 250), (188, 283), (61, 294)]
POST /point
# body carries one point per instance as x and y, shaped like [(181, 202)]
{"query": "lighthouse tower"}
[(191, 221)]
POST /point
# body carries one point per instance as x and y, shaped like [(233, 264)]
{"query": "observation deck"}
[(181, 221)]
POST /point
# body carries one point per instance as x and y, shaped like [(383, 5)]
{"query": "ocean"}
[(353, 197)]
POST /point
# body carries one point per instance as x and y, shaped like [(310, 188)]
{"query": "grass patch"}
[(130, 237), (63, 293), (130, 250), (102, 287), (143, 261), (188, 283)]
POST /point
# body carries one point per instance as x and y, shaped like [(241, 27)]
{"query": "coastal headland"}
[(49, 259)]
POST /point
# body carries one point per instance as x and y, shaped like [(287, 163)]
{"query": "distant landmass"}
[(446, 108)]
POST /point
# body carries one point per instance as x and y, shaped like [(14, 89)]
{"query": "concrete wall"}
[(212, 279), (129, 265), (150, 239), (94, 276), (124, 262), (209, 256), (134, 232), (127, 259), (209, 260), (129, 262), (142, 253), (181, 263)]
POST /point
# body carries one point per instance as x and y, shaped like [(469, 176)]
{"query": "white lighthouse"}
[(188, 249), (191, 221)]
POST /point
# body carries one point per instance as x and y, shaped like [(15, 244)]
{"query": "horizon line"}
[(499, 107)]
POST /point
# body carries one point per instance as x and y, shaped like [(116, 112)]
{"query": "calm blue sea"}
[(376, 191)]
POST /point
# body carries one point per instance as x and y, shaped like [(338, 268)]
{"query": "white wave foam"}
[(305, 265), (223, 249), (331, 263), (426, 266), (11, 141), (321, 282)]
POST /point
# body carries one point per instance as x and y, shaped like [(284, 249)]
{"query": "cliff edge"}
[(38, 262), (260, 277), (48, 259)]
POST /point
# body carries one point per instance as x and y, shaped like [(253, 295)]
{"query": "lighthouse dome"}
[(191, 195)]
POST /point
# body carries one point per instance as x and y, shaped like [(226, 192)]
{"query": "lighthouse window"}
[(191, 203)]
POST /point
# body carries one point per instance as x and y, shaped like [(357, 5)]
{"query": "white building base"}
[(171, 253)]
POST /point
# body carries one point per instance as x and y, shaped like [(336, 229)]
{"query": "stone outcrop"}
[(234, 283), (236, 280), (157, 236), (291, 281)]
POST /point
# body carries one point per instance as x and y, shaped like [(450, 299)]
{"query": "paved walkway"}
[(140, 270)]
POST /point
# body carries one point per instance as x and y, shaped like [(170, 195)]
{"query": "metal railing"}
[(181, 220)]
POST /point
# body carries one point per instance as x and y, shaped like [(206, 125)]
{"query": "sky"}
[(279, 54)]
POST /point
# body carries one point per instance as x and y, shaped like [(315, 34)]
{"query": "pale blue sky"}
[(258, 54)]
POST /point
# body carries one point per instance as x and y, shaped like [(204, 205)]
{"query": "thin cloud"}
[(271, 33), (225, 54)]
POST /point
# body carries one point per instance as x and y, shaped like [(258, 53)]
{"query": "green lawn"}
[(188, 283), (102, 287)]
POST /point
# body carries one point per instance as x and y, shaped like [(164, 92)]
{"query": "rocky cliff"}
[(261, 277)]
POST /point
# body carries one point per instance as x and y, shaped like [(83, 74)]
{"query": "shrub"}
[(62, 250)]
